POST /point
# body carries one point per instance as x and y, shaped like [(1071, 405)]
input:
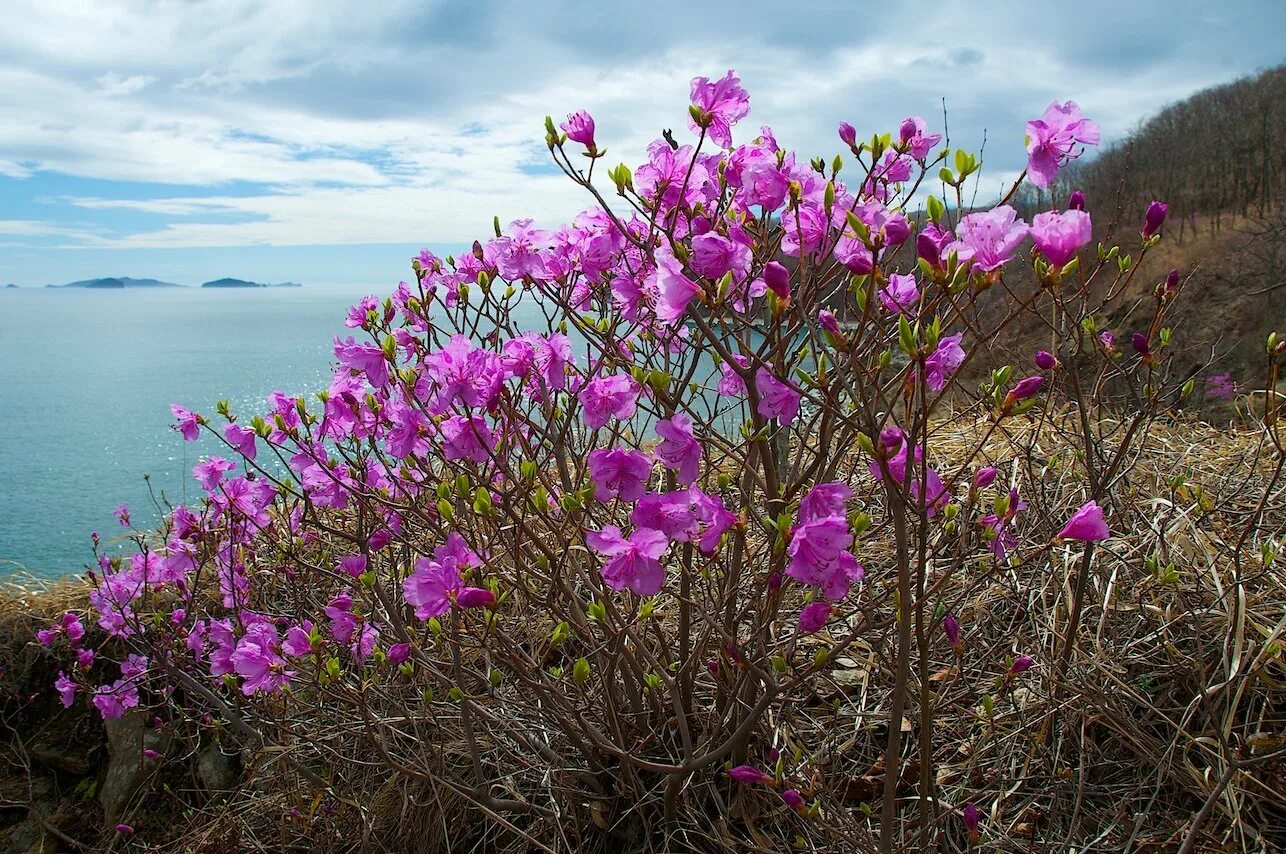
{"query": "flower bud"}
[(794, 800), (983, 478), (951, 627), (474, 597), (826, 320), (890, 441), (847, 134), (777, 278), (1154, 217), (748, 775), (927, 248), (1021, 665), (1026, 388), (1076, 201), (970, 817), (1172, 282), (1045, 360), (1139, 342), (907, 131), (814, 616)]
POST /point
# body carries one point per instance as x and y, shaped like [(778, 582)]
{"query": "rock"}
[(218, 771), (127, 767), (29, 837), (60, 759)]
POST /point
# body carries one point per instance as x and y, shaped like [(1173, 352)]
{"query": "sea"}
[(86, 382), (87, 378)]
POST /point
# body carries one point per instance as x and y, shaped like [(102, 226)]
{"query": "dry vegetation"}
[(1167, 727)]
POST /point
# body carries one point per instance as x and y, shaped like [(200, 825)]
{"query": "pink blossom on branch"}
[(720, 105), (1059, 236), (632, 563), (1052, 140), (1087, 524)]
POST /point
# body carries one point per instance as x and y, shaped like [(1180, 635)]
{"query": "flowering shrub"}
[(590, 502)]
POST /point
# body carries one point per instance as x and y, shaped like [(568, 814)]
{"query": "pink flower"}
[(579, 127), (932, 244), (678, 449), (1076, 201), (241, 438), (945, 360), (794, 800), (814, 616), (818, 547), (633, 563), (674, 290), (258, 662), (1052, 139), (69, 624), (520, 252), (399, 652), (1003, 538), (1087, 524), (353, 565), (714, 516), (900, 294), (466, 438), (298, 640), (721, 105), (188, 422), (670, 513), (713, 255), (122, 515), (66, 690), (610, 397), (428, 590), (1059, 236), (618, 472), (913, 133), (210, 471), (363, 358), (989, 238), (776, 399), (730, 382)]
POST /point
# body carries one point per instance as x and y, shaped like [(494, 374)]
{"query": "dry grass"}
[(1173, 705)]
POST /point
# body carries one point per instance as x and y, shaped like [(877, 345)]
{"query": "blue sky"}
[(326, 140)]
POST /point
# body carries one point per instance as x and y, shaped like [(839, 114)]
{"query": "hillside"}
[(1217, 161)]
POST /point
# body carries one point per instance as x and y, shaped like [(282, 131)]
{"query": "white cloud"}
[(358, 122)]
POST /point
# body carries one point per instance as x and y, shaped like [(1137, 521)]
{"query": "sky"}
[(326, 141)]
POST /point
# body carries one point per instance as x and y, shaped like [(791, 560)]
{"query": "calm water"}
[(86, 380)]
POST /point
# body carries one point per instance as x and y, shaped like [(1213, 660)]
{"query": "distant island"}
[(242, 283), (11, 285), (117, 282)]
